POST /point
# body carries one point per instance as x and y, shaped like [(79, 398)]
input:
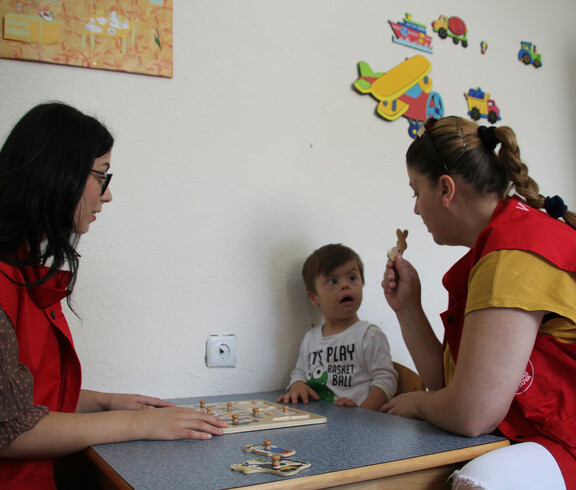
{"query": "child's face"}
[(339, 293)]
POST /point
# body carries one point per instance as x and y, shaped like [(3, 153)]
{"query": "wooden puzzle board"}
[(269, 415)]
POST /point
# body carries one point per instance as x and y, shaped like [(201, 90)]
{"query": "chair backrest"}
[(408, 380)]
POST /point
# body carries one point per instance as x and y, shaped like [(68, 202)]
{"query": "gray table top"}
[(351, 438)]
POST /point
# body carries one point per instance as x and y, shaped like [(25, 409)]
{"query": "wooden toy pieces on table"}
[(401, 244), (249, 415), (277, 464), (267, 449)]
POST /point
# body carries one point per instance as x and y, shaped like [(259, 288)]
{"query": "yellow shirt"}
[(525, 280)]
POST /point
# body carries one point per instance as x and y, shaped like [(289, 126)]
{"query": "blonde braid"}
[(524, 186), (570, 218)]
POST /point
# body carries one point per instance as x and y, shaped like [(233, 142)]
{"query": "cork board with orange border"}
[(122, 35)]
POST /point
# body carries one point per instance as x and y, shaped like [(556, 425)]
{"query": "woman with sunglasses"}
[(508, 360), (54, 176)]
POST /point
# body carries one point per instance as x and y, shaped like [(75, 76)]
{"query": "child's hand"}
[(299, 390), (344, 402)]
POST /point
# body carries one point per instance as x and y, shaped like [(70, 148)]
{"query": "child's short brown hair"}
[(324, 260)]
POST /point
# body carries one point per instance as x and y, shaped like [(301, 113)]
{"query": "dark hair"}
[(325, 260), (44, 166), (460, 147)]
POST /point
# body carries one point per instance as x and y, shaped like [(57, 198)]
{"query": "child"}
[(345, 360)]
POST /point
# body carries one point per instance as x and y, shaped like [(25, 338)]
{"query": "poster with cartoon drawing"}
[(122, 35)]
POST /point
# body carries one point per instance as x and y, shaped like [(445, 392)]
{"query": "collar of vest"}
[(52, 291), (517, 226), (44, 295)]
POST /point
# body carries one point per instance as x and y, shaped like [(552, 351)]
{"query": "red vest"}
[(544, 408), (45, 347)]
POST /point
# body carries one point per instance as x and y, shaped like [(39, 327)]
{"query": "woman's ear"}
[(447, 188)]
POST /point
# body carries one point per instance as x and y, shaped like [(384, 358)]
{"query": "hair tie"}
[(488, 137), (555, 206)]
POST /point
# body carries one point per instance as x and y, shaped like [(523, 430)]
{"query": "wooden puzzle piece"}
[(401, 244), (267, 449), (249, 415), (277, 466)]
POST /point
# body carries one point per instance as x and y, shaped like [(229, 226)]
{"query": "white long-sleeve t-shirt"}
[(347, 364)]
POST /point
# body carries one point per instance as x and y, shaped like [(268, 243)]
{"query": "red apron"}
[(47, 350), (544, 408)]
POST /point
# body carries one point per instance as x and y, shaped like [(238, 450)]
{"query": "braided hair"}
[(456, 146)]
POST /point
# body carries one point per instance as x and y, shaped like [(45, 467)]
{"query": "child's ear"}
[(312, 297)]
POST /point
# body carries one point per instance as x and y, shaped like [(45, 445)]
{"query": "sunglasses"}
[(104, 180)]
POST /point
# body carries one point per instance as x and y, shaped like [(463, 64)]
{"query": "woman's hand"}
[(495, 348), (174, 423), (401, 284), (405, 405), (402, 290), (96, 401), (59, 433), (122, 401)]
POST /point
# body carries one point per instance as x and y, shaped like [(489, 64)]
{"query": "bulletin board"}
[(122, 35)]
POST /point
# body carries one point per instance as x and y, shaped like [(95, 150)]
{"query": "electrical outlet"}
[(221, 351)]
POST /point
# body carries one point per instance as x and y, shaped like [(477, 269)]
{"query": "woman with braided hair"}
[(507, 363)]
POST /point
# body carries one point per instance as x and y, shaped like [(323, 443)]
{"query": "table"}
[(106, 30), (356, 448)]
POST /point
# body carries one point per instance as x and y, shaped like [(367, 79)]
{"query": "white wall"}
[(259, 151)]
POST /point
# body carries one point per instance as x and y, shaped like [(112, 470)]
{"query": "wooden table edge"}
[(382, 470), (107, 476)]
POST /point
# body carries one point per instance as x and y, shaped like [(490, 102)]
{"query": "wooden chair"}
[(408, 380)]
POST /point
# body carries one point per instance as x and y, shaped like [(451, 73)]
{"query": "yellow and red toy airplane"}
[(405, 90)]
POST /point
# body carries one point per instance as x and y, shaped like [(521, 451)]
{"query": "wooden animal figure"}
[(401, 244), (276, 465)]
